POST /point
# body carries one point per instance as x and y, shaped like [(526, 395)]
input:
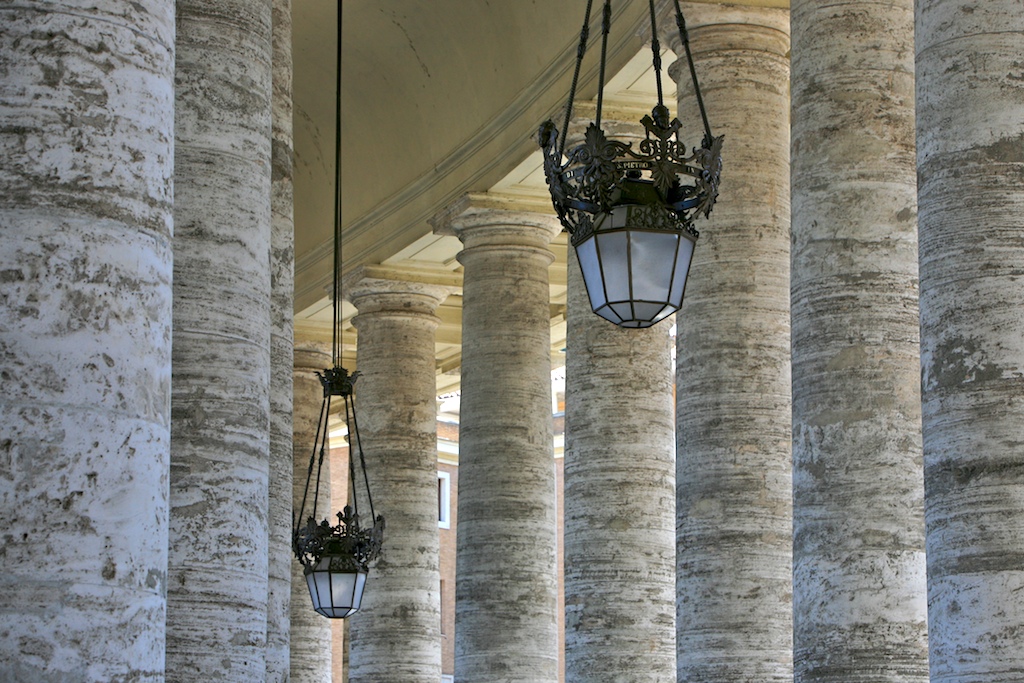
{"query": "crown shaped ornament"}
[(672, 185)]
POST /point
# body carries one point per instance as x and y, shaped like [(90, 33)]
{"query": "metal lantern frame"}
[(336, 558), (630, 212)]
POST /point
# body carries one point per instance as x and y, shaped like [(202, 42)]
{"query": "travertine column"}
[(733, 403), (282, 260), (310, 633), (858, 555), (505, 621), (217, 583), (396, 637), (86, 145), (619, 498), (970, 98)]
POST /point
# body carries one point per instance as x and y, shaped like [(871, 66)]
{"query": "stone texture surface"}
[(86, 144), (395, 637), (217, 582), (970, 93), (859, 566), (310, 633), (734, 483), (282, 288), (619, 507), (505, 622)]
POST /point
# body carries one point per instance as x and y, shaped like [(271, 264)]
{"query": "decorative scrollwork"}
[(349, 547), (337, 381), (600, 174)]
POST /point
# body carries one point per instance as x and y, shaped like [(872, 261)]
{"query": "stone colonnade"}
[(506, 590), (282, 295), (733, 481), (859, 602), (217, 577), (85, 338), (397, 637), (619, 493), (970, 161), (90, 445)]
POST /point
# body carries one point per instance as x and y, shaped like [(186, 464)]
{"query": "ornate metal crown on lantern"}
[(336, 559), (630, 213)]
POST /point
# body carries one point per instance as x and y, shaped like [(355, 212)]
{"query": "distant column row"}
[(850, 391)]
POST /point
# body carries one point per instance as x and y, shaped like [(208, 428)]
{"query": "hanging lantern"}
[(630, 212), (336, 558)]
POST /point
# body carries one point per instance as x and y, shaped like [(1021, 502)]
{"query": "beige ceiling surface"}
[(438, 98)]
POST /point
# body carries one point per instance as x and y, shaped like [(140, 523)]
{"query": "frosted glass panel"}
[(607, 313), (682, 269), (586, 253), (624, 311), (646, 311), (343, 585), (360, 584), (666, 312), (653, 254), (613, 251)]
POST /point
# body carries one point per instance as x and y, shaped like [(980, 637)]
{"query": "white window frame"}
[(444, 498), (447, 678)]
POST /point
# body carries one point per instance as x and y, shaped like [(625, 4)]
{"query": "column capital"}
[(311, 355), (372, 289), (716, 26), (490, 219)]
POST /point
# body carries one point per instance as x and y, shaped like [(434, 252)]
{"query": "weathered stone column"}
[(217, 583), (505, 621), (858, 556), (396, 637), (86, 152), (619, 497), (282, 289), (733, 477), (310, 633), (970, 99)]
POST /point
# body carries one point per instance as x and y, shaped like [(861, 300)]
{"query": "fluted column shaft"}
[(282, 295), (396, 637), (859, 566), (310, 648), (217, 585), (505, 621), (734, 483), (970, 95), (86, 152), (619, 507)]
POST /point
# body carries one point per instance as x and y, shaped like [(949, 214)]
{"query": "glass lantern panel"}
[(613, 252), (608, 314), (682, 269), (357, 596), (342, 589), (647, 311), (665, 312), (319, 583), (623, 310), (586, 254), (652, 256)]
